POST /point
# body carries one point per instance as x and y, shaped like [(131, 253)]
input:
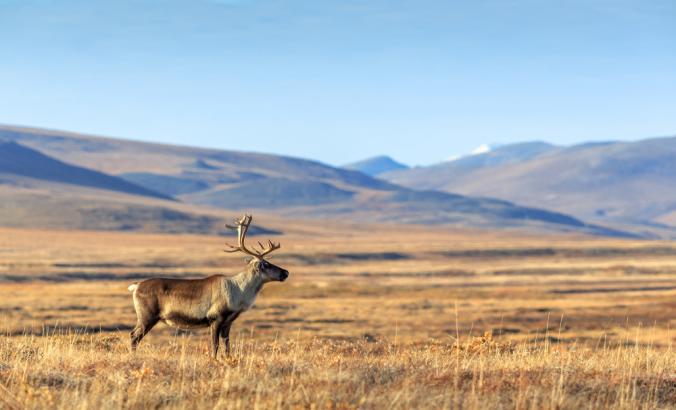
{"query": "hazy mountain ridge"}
[(291, 186), (163, 159), (435, 176), (16, 159), (376, 165), (624, 182)]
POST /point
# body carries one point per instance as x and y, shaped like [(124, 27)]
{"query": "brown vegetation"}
[(371, 317)]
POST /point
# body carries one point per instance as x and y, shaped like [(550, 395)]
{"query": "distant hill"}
[(16, 159), (376, 165), (293, 187), (27, 202), (439, 176), (39, 191), (211, 165), (630, 183), (503, 155)]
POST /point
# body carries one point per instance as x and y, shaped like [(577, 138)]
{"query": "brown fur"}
[(215, 301)]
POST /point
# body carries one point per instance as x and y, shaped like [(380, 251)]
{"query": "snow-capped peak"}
[(481, 149)]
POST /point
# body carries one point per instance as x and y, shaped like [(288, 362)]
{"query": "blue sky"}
[(342, 80)]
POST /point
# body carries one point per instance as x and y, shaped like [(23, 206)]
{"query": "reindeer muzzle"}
[(283, 275)]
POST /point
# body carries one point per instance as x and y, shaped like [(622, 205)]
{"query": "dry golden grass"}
[(97, 371), (371, 317)]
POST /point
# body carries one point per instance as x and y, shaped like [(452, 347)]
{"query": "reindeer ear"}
[(248, 259)]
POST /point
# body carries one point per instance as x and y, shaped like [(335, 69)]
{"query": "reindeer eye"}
[(264, 264)]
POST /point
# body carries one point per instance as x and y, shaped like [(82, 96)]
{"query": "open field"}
[(371, 317)]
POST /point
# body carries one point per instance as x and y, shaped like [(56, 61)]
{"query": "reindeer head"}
[(258, 265)]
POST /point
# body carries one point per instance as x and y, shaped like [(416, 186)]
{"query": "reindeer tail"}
[(133, 286)]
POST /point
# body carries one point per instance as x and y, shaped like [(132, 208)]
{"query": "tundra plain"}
[(372, 316)]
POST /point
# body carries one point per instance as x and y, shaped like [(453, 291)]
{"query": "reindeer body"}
[(190, 303), (215, 301)]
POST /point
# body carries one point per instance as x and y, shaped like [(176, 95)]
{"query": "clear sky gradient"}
[(339, 81)]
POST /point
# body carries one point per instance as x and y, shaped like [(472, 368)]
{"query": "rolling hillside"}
[(628, 183), (18, 160), (376, 165), (235, 181), (441, 175), (41, 192)]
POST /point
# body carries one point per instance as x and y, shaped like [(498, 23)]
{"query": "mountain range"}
[(376, 165), (18, 160), (67, 180), (622, 184)]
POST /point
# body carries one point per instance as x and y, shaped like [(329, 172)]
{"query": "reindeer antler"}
[(242, 226)]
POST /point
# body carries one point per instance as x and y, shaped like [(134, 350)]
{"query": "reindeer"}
[(213, 302)]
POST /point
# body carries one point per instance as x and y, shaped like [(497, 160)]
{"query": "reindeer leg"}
[(140, 330), (132, 336), (225, 330), (225, 335), (215, 331)]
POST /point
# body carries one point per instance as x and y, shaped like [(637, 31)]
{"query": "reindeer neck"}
[(248, 282)]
